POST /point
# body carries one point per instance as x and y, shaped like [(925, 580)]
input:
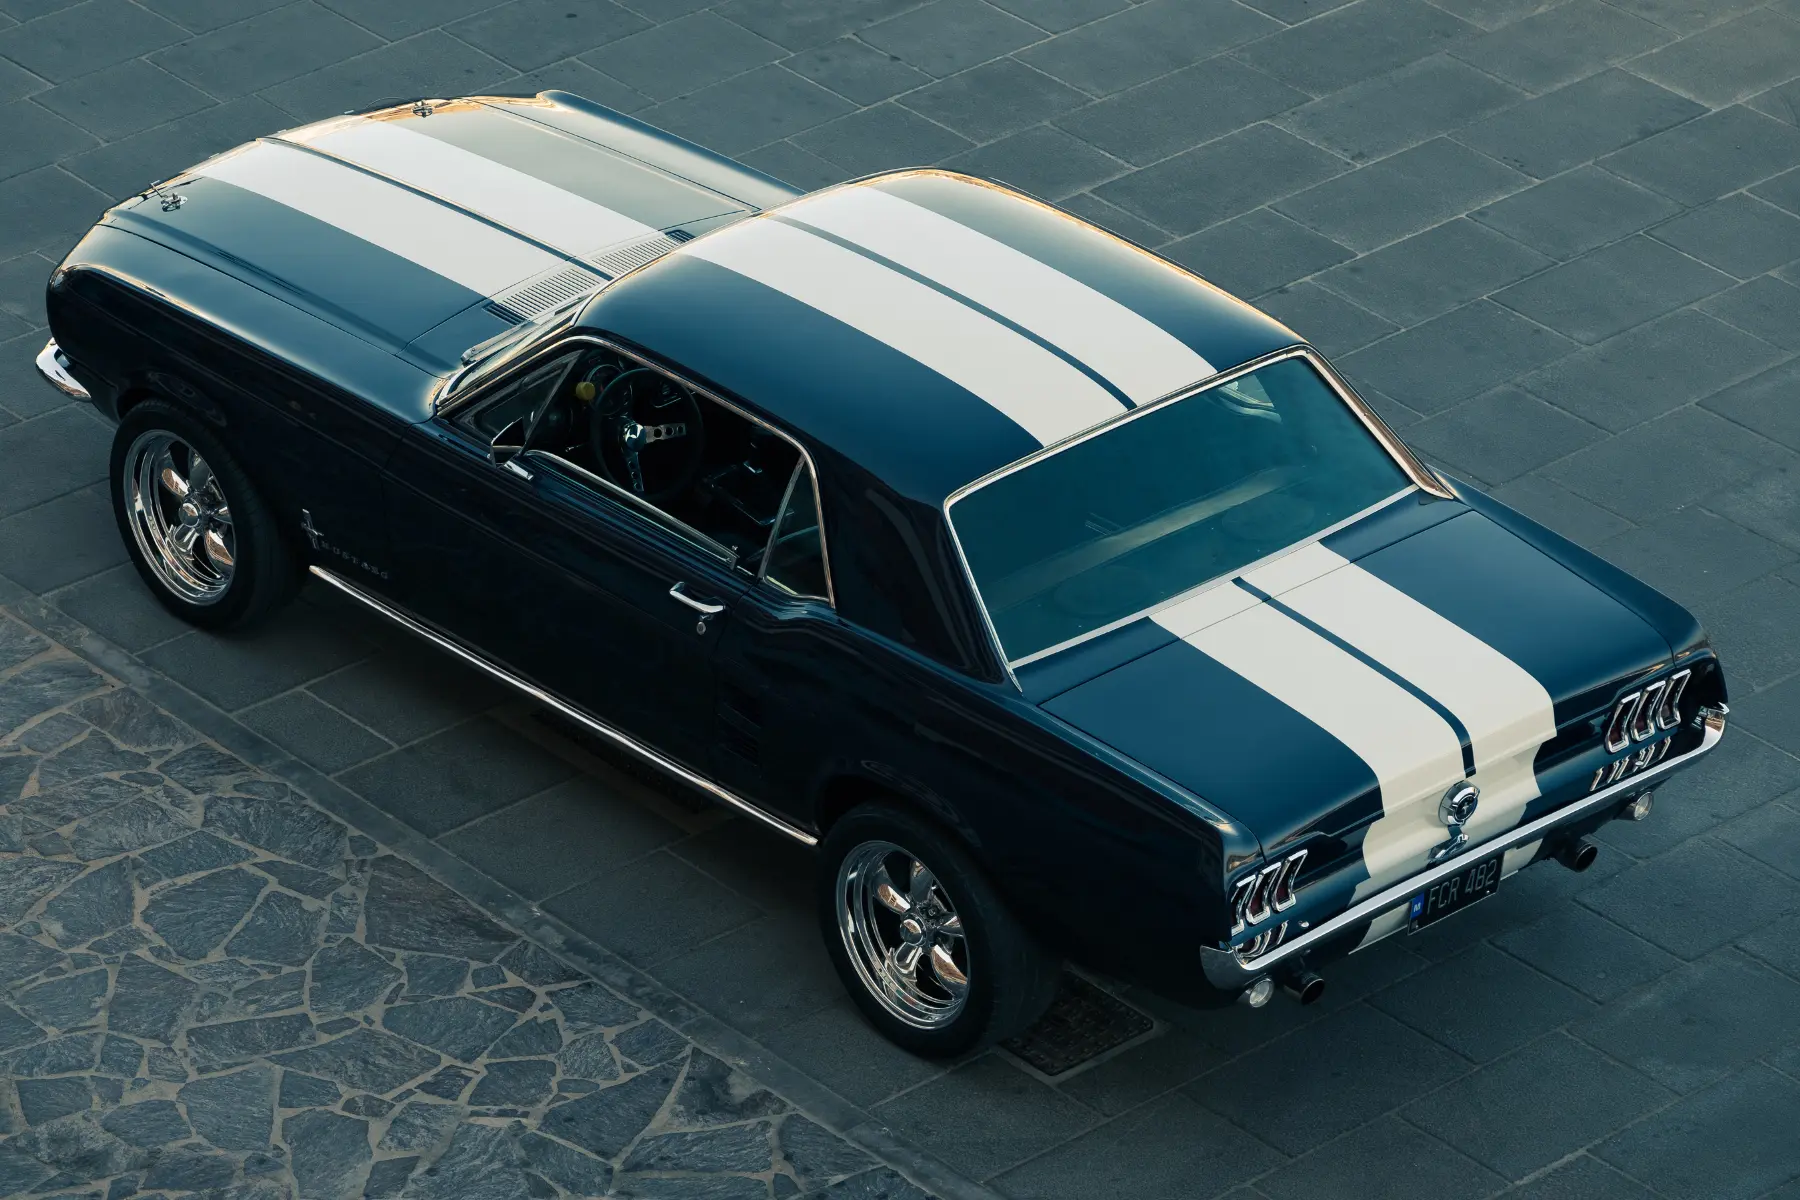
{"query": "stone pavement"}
[(212, 985), (1556, 244)]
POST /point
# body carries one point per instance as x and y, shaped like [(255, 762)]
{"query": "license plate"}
[(1475, 882)]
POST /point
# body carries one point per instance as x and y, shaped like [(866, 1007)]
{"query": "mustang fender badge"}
[(1454, 810), (321, 545)]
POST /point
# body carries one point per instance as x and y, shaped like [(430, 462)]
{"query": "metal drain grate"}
[(1082, 1023)]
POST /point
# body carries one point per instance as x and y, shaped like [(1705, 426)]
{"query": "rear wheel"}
[(197, 531), (921, 939)]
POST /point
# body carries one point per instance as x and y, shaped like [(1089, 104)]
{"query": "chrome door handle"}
[(699, 606)]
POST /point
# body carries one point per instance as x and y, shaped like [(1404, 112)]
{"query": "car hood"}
[(430, 227), (1334, 694)]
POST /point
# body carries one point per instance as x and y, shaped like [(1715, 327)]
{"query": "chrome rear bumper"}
[(53, 365), (1227, 972)]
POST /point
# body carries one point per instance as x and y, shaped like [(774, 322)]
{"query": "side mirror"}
[(508, 443)]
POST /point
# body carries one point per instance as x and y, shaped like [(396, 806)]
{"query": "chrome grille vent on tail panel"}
[(537, 296), (1640, 715)]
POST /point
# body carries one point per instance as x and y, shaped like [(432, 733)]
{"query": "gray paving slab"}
[(1139, 44), (1724, 1142), (1694, 555), (1257, 252), (995, 99), (1575, 212), (1578, 123), (1356, 42), (1653, 370), (1729, 61), (1536, 1106), (1430, 273), (1390, 112), (1561, 44), (1408, 192), (1222, 179), (1711, 155)]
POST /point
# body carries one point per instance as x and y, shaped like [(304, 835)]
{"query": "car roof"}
[(929, 326)]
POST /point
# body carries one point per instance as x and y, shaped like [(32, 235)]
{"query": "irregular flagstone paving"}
[(212, 987)]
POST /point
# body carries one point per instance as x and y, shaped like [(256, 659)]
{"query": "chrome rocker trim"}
[(53, 365), (574, 714), (1224, 970)]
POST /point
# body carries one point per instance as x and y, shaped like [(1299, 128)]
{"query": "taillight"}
[(1638, 716), (1643, 720), (1669, 715), (1618, 729), (1271, 890), (1282, 897)]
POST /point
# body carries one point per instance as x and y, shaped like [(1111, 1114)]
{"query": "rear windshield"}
[(1159, 504)]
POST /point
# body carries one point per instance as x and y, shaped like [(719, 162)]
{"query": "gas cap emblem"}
[(1454, 810), (1459, 804)]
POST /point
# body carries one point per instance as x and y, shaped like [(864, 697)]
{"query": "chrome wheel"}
[(180, 517), (903, 935)]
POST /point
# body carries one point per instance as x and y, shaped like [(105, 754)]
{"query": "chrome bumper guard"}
[(1227, 972), (53, 365)]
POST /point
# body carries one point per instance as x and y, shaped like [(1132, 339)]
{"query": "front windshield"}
[(1159, 504)]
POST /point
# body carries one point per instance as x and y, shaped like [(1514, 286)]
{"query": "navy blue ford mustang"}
[(1068, 605)]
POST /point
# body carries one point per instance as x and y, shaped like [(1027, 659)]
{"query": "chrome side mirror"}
[(508, 443)]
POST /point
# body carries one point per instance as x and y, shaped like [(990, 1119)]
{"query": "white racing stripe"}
[(438, 238), (519, 201), (1140, 358), (1045, 395), (1506, 711), (1293, 569), (1413, 752), (1190, 615)]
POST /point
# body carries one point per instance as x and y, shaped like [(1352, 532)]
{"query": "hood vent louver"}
[(529, 300), (537, 296), (632, 255)]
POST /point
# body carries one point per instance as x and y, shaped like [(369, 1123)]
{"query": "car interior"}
[(632, 429)]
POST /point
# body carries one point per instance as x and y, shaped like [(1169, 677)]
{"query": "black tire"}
[(1011, 978), (264, 574)]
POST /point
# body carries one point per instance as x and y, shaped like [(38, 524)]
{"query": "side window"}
[(795, 561), (516, 404), (695, 466)]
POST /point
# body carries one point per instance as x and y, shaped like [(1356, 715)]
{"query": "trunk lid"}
[(1332, 696)]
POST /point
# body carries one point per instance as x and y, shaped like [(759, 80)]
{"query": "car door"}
[(786, 668), (609, 605)]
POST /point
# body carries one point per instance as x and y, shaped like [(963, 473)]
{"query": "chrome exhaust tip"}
[(1258, 993), (1578, 855), (1304, 986)]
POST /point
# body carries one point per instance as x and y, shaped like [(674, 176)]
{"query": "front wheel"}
[(922, 941), (196, 530)]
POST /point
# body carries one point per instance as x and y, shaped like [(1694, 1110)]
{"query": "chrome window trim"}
[(624, 740), (762, 568), (1224, 969), (787, 493), (524, 362), (1422, 477)]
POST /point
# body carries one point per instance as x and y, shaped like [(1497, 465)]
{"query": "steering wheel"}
[(647, 434)]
